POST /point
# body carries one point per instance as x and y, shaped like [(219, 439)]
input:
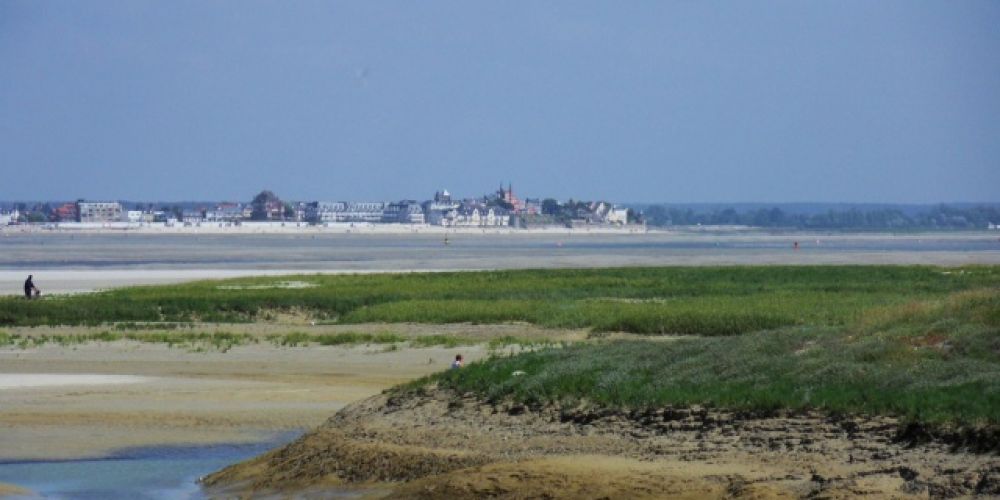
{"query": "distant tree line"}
[(938, 217)]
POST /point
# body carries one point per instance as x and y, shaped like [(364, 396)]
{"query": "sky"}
[(639, 101)]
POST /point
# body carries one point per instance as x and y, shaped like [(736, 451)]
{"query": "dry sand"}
[(10, 381), (58, 281)]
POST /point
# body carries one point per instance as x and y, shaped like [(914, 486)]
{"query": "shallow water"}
[(165, 472)]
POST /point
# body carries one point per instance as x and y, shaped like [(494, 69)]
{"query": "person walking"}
[(457, 363), (29, 288)]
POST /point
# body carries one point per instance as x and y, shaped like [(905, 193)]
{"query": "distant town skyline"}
[(646, 102), (501, 209)]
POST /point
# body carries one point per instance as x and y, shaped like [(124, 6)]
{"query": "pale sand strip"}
[(32, 380), (60, 281)]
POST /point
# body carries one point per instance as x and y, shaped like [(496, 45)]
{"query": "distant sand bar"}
[(28, 380)]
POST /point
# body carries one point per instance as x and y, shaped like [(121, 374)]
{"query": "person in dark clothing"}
[(29, 288)]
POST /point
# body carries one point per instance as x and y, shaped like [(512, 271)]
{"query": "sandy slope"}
[(442, 445)]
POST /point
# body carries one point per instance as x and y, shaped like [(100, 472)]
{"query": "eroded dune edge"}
[(435, 443)]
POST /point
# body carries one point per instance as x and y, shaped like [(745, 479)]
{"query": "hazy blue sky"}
[(866, 101)]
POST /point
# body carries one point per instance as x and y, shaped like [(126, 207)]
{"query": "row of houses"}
[(499, 209), (407, 212), (324, 212)]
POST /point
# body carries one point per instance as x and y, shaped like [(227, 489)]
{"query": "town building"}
[(99, 211), (508, 197), (475, 214), (481, 216), (227, 213), (438, 209), (65, 212), (268, 209), (617, 215), (404, 212), (320, 212), (135, 216), (532, 206), (166, 217), (192, 217)]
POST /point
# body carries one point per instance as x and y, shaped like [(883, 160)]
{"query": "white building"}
[(476, 216), (617, 215), (320, 212), (439, 211), (99, 211), (403, 212), (226, 213), (192, 217)]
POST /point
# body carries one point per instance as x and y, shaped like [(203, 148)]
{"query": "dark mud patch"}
[(970, 440)]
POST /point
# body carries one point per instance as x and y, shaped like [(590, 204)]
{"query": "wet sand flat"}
[(64, 263), (248, 394)]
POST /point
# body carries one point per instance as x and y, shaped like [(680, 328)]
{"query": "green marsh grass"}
[(935, 361), (679, 300)]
